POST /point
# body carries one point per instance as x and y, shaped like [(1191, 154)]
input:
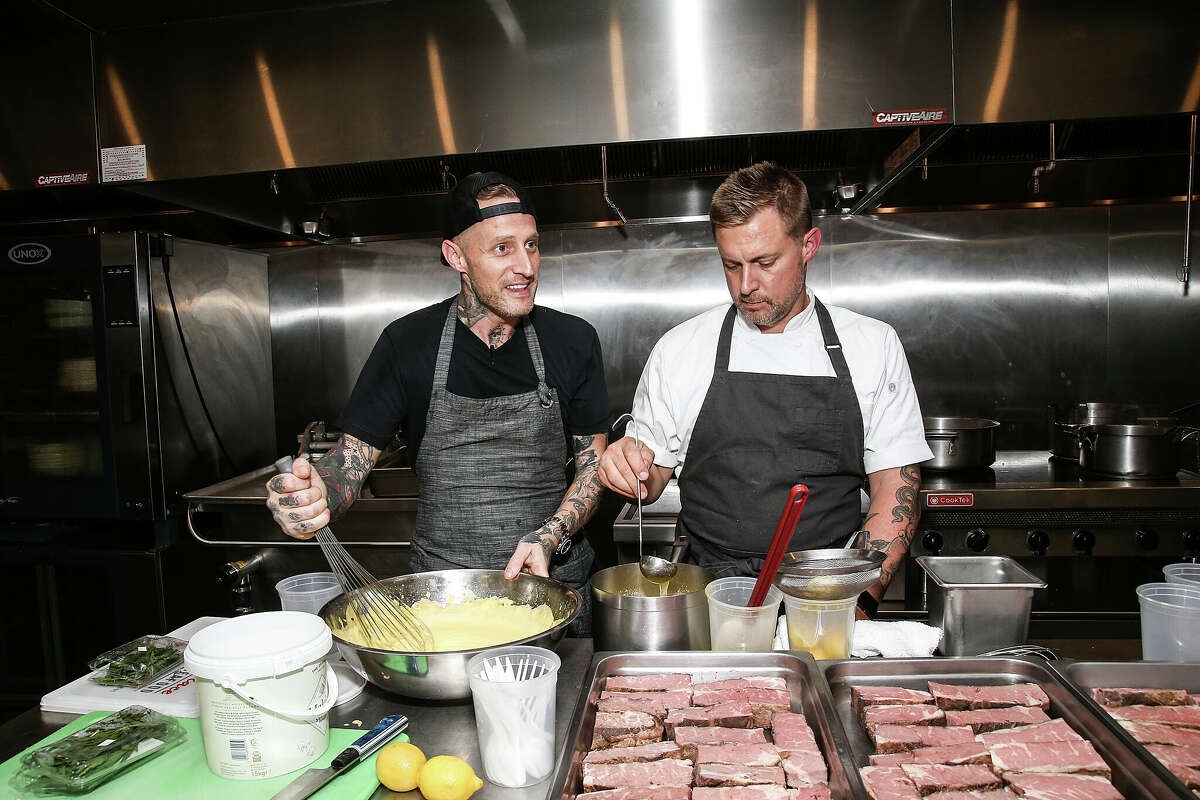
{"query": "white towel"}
[(902, 639)]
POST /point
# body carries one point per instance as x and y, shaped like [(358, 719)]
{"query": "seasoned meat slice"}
[(642, 752), (647, 683), (1063, 787), (888, 783), (657, 704), (930, 778), (1157, 733), (1182, 716), (962, 698), (728, 715), (790, 732), (1056, 730), (1187, 755), (669, 772), (624, 729), (874, 716), (1053, 757), (993, 719), (692, 736), (737, 775), (640, 793), (805, 768), (898, 738), (1140, 697), (863, 696)]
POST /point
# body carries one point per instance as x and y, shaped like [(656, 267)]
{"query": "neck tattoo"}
[(496, 336)]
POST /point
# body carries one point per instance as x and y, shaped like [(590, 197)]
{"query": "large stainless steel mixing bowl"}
[(443, 676)]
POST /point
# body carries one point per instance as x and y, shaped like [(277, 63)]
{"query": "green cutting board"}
[(182, 773)]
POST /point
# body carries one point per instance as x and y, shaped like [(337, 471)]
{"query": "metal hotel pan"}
[(807, 687), (1136, 778), (1088, 675)]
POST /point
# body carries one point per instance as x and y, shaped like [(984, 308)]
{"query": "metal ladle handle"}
[(637, 440)]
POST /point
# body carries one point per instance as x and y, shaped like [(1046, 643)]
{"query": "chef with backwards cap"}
[(489, 391)]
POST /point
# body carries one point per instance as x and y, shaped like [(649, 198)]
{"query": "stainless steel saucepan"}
[(1132, 451), (1065, 422), (960, 443)]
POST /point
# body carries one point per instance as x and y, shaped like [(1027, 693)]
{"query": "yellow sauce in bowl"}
[(466, 625)]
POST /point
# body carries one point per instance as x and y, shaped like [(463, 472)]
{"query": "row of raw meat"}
[(961, 742), (1165, 721), (661, 737)]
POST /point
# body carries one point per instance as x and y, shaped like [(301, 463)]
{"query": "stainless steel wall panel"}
[(1071, 59), (386, 81), (1000, 312), (1153, 328)]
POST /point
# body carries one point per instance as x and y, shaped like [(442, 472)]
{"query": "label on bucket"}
[(949, 500)]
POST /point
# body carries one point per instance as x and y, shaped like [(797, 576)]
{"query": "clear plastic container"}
[(1170, 621), (308, 592), (513, 690), (735, 626), (138, 663), (1186, 573), (824, 628)]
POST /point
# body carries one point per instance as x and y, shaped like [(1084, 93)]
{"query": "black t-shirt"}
[(394, 387)]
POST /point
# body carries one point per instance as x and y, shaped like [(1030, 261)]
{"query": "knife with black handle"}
[(363, 746)]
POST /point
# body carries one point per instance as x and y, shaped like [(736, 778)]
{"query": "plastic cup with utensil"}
[(513, 689), (735, 625)]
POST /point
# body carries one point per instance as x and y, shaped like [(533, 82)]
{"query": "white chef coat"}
[(677, 375)]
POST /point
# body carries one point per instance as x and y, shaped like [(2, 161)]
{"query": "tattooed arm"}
[(309, 497), (892, 518), (535, 549)]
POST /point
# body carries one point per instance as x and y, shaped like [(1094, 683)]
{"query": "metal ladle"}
[(654, 569)]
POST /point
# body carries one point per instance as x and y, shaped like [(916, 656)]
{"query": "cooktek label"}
[(949, 499)]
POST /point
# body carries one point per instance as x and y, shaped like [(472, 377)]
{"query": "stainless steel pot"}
[(443, 676), (960, 443), (1066, 421), (628, 613), (1131, 451)]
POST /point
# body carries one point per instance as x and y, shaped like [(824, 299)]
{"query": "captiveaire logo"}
[(28, 253)]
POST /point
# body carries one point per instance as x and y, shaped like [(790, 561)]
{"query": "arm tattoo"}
[(583, 495), (470, 310), (343, 469), (894, 538)]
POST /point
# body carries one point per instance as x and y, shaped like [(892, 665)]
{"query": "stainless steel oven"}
[(101, 416)]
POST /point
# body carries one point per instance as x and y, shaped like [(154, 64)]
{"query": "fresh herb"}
[(84, 760), (140, 665)]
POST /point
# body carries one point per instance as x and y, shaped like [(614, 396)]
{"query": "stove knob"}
[(1037, 542), (1146, 539), (1083, 541), (977, 540), (1191, 540), (932, 542)]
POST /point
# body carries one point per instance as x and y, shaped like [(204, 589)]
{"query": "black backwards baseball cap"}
[(463, 211)]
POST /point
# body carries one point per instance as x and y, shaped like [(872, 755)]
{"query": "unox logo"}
[(944, 499), (28, 253)]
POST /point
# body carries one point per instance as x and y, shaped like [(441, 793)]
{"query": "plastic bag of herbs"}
[(136, 664), (93, 755)]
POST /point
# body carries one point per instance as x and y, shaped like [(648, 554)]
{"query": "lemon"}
[(398, 766), (448, 778)]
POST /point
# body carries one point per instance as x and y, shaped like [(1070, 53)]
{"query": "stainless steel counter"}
[(446, 728)]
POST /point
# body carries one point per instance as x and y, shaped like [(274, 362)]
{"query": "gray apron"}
[(756, 436), (491, 470)]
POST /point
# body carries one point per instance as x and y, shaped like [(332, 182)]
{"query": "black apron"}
[(492, 470), (756, 436)]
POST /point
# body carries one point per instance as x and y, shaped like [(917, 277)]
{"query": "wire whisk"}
[(382, 611)]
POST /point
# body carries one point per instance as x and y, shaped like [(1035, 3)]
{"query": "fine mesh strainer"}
[(835, 574)]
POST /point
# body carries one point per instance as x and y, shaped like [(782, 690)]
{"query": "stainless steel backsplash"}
[(1000, 312)]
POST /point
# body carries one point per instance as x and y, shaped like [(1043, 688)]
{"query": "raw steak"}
[(815, 792), (640, 793), (1194, 699), (1157, 733), (993, 719), (727, 715), (888, 783), (952, 754), (670, 772), (962, 698), (898, 738), (893, 759), (862, 696), (656, 704), (642, 752), (997, 794), (737, 775), (749, 682), (874, 716), (1181, 755), (1140, 697), (763, 702), (930, 778), (1052, 757), (791, 732), (624, 729), (1063, 787), (1056, 730), (1183, 716), (805, 768), (763, 792), (749, 755), (690, 737), (1189, 776), (647, 683)]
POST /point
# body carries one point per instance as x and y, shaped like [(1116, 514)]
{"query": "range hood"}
[(354, 116)]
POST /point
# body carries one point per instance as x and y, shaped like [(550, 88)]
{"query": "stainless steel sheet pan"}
[(807, 687), (1088, 675), (1133, 776)]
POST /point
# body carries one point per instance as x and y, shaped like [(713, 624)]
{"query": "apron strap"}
[(539, 365), (833, 345), (723, 341), (441, 369)]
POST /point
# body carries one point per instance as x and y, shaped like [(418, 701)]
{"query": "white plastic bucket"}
[(265, 692)]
